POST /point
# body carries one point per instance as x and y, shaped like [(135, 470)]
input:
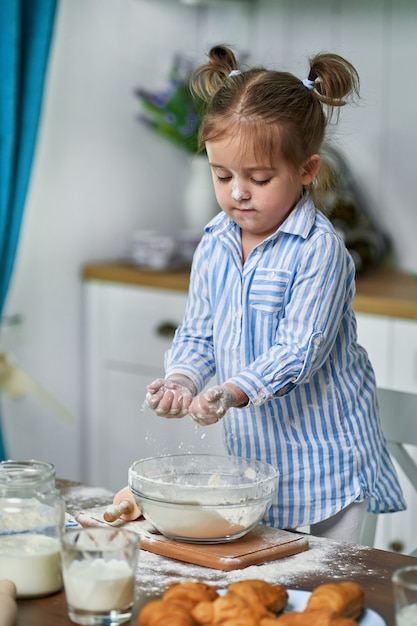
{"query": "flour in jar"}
[(25, 514), (32, 561)]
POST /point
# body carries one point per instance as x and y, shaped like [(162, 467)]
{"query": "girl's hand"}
[(171, 397), (210, 406)]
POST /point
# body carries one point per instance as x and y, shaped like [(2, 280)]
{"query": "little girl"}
[(270, 303)]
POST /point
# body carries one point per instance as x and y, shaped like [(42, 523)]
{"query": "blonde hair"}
[(275, 110)]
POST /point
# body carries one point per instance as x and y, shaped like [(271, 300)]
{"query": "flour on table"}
[(154, 573), (79, 498)]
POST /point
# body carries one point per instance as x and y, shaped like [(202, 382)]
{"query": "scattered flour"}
[(155, 573), (78, 498)]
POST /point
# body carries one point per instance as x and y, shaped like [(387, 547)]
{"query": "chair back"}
[(398, 412)]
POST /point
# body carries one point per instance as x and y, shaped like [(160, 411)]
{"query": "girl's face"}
[(257, 196)]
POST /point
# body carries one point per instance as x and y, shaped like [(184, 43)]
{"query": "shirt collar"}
[(299, 222)]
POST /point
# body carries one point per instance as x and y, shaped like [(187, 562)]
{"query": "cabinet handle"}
[(166, 329)]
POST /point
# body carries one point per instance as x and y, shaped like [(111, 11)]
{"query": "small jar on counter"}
[(32, 520)]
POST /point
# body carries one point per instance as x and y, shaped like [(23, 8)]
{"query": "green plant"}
[(173, 112)]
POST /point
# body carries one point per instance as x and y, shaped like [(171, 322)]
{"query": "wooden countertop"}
[(383, 292), (387, 292), (127, 274), (325, 561)]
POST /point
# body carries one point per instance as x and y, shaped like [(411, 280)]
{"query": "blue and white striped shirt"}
[(281, 327)]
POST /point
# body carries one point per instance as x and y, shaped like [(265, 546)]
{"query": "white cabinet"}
[(404, 355), (392, 347), (128, 330), (374, 335)]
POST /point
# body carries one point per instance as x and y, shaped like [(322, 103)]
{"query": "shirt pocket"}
[(268, 289)]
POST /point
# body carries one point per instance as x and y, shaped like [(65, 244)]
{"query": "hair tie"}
[(310, 84), (235, 73)]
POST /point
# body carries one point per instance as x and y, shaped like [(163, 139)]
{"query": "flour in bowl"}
[(197, 523)]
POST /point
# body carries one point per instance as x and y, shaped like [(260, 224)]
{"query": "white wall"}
[(99, 174)]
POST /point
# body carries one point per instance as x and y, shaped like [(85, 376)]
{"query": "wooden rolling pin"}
[(124, 507), (8, 606)]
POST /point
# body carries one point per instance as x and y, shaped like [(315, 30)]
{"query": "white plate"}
[(297, 601)]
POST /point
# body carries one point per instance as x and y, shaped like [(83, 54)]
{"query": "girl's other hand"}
[(210, 406), (170, 397)]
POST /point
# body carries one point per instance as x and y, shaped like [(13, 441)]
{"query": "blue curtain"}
[(26, 28)]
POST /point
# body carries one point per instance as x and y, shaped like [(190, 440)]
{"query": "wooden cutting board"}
[(261, 545)]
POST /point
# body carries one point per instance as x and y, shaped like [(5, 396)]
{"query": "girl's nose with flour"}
[(239, 194)]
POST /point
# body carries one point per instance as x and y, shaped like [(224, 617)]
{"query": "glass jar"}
[(32, 520)]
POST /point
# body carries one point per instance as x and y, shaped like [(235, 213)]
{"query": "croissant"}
[(272, 597), (252, 603), (190, 593), (241, 620), (224, 609), (245, 603), (343, 598), (165, 613)]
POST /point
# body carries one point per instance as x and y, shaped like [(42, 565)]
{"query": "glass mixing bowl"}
[(203, 498)]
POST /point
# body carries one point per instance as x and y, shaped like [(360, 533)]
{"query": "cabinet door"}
[(136, 324), (404, 355), (374, 333)]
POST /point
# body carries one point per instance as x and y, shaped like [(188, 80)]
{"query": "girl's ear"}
[(311, 169)]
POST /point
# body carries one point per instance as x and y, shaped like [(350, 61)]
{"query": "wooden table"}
[(325, 561)]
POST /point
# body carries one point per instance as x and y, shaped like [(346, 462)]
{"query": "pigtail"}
[(209, 78), (335, 80)]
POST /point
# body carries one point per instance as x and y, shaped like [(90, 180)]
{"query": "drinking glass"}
[(404, 583), (99, 566)]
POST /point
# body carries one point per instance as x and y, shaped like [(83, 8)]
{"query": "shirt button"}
[(271, 274)]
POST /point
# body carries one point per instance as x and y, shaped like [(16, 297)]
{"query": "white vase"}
[(200, 204)]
